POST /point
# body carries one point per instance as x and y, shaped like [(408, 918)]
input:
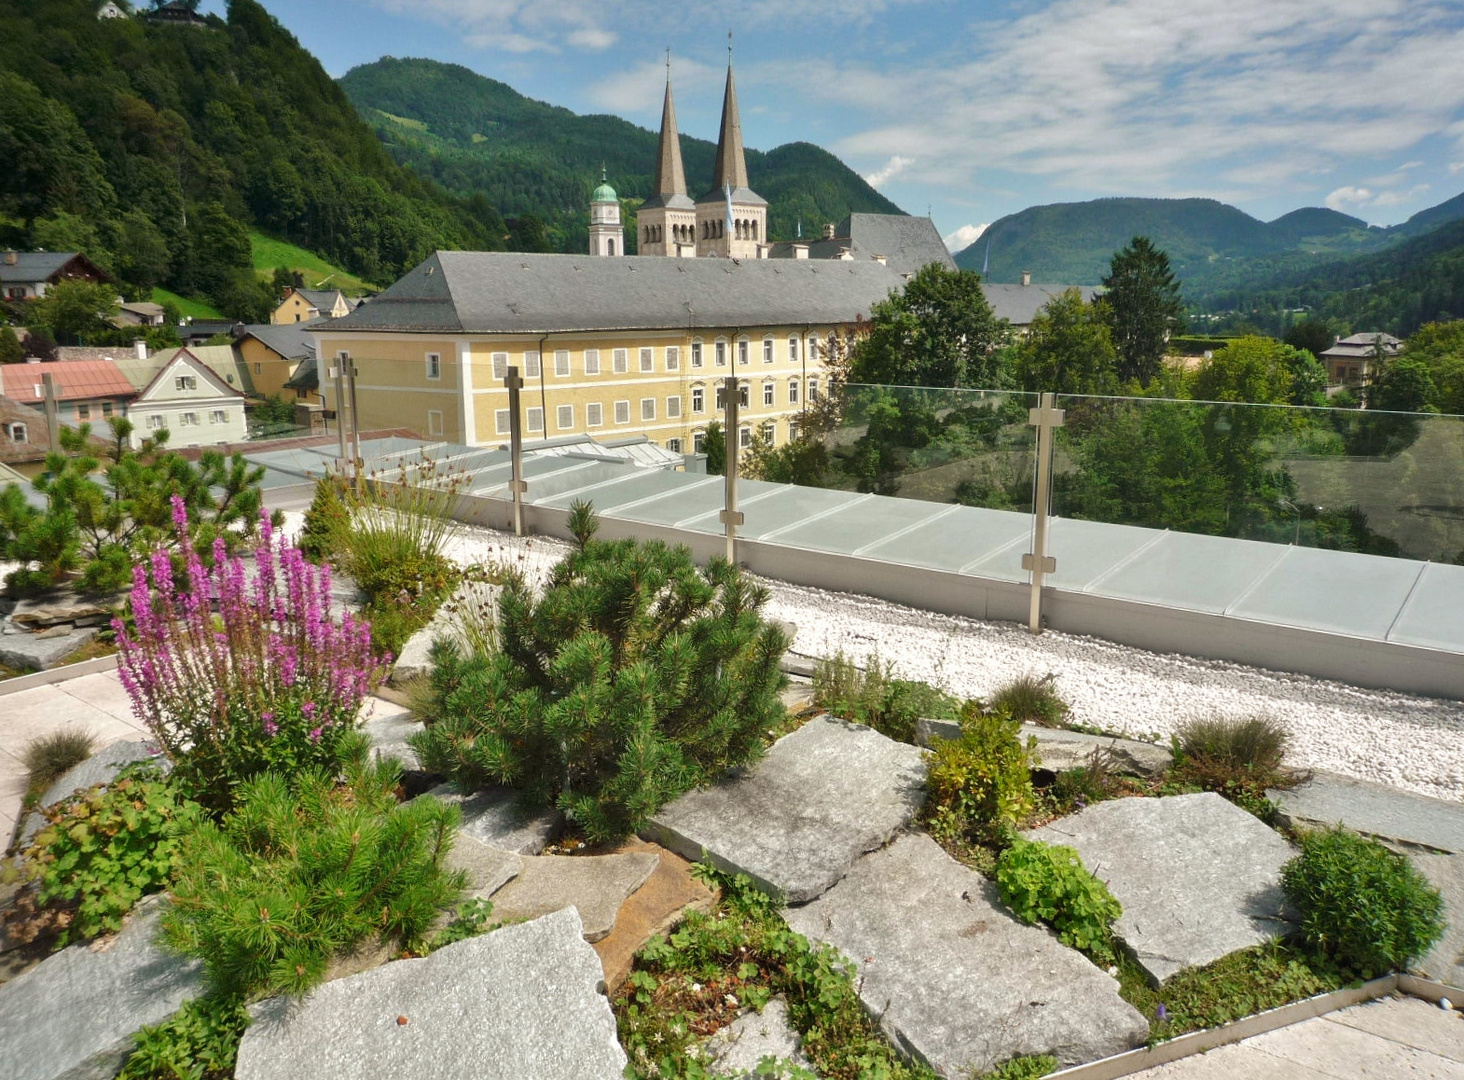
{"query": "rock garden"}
[(591, 830)]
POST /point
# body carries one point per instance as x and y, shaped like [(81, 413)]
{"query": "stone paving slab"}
[(496, 817), (738, 1047), (520, 1003), (415, 659), (42, 651), (953, 977), (1410, 1021), (72, 1016), (1388, 813), (796, 820), (1333, 1047), (1445, 961), (389, 726), (488, 868), (594, 885), (1197, 876), (651, 910)]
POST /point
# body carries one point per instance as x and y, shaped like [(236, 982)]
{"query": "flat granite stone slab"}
[(1388, 813), (496, 817), (1060, 749), (738, 1047), (389, 727), (471, 599), (488, 868), (594, 885), (954, 979), (1197, 876), (40, 652), (520, 1003), (72, 1016), (796, 820), (1445, 961)]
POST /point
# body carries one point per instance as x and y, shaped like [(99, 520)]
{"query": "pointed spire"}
[(670, 176), (731, 168)]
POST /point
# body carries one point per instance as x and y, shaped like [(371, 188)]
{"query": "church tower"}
[(607, 235), (667, 220), (731, 218)]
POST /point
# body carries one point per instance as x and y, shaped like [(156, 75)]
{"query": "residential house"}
[(172, 13), (606, 347), (187, 397), (306, 305), (26, 275), (139, 313), (197, 331), (274, 356), (1019, 304), (87, 391), (25, 436), (110, 10), (1350, 361), (227, 364)]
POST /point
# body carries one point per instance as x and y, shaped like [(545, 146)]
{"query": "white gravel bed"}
[(1410, 742)]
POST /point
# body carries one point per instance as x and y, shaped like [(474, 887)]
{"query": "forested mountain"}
[(473, 134), (1214, 248), (152, 148)]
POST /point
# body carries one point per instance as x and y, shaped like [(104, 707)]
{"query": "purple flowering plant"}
[(237, 673)]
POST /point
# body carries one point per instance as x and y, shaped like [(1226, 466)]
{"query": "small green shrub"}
[(1239, 759), (1031, 700), (291, 877), (1362, 905), (631, 679), (394, 534), (980, 784), (47, 758), (875, 697), (1089, 783), (1048, 883), (198, 1042), (326, 521), (104, 849)]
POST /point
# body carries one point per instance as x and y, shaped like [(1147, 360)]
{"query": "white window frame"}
[(647, 360), (107, 409), (792, 391), (156, 421), (744, 395), (721, 352), (622, 411), (770, 393), (17, 432), (592, 361), (502, 422), (564, 417), (434, 366), (620, 361), (534, 418), (721, 397), (648, 409), (673, 357), (594, 415), (768, 349), (698, 399), (500, 366), (218, 416), (185, 382), (793, 348), (83, 410), (744, 437), (813, 388), (561, 363), (434, 421), (188, 419), (696, 352), (674, 445), (673, 407), (813, 352), (744, 352), (531, 365)]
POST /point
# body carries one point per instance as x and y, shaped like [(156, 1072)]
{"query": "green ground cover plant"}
[(1362, 906), (980, 785), (696, 980), (198, 1042), (101, 851), (875, 697), (302, 871), (1239, 759), (1048, 883), (634, 677)]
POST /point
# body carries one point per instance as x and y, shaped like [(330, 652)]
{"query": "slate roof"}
[(507, 292), (906, 242), (1361, 346), (32, 267), (306, 377), (37, 436), (1019, 304), (76, 380), (289, 340), (324, 299)]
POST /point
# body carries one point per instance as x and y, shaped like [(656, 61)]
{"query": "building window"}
[(561, 363), (622, 412), (648, 408), (743, 392), (812, 388), (83, 412), (793, 350), (793, 430), (744, 437), (698, 442), (185, 382), (698, 399), (258, 369), (767, 350), (188, 419), (531, 366), (16, 432), (500, 421), (674, 445), (721, 353), (434, 365), (434, 421), (156, 421), (592, 361), (673, 357), (621, 361), (696, 353), (721, 397), (106, 409), (564, 416), (594, 414), (769, 390), (535, 416), (792, 391), (219, 416), (500, 365), (648, 360), (813, 348), (673, 407), (742, 352)]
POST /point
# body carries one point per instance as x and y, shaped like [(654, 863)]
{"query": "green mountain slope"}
[(156, 148), (472, 135)]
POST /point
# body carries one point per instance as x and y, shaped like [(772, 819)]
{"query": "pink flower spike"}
[(180, 514)]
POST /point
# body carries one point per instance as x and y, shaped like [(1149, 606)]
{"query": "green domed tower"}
[(607, 235)]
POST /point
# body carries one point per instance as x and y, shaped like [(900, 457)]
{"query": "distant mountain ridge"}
[(473, 134), (1213, 247)]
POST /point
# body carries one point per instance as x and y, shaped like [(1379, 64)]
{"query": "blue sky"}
[(978, 109)]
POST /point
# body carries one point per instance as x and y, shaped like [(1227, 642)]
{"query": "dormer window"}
[(16, 433), (185, 382)]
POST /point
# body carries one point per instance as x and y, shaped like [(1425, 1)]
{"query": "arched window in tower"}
[(754, 228), (609, 246)]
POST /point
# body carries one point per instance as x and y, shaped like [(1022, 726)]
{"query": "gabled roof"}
[(37, 434), (184, 358), (76, 380), (1361, 346), (507, 292), (306, 377), (288, 340), (32, 267), (1019, 304), (324, 299), (906, 242)]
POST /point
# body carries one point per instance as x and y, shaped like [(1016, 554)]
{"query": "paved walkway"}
[(94, 703), (1381, 1040)]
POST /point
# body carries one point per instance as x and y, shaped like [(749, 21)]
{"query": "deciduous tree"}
[(1068, 349), (938, 331)]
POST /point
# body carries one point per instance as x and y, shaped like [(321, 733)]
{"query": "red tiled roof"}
[(76, 380)]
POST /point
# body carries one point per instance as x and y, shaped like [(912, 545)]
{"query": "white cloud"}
[(964, 237), (640, 89), (1456, 166), (1348, 196), (891, 169), (1399, 198)]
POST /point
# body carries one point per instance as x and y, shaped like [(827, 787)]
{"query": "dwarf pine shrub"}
[(300, 872), (634, 677), (269, 680)]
